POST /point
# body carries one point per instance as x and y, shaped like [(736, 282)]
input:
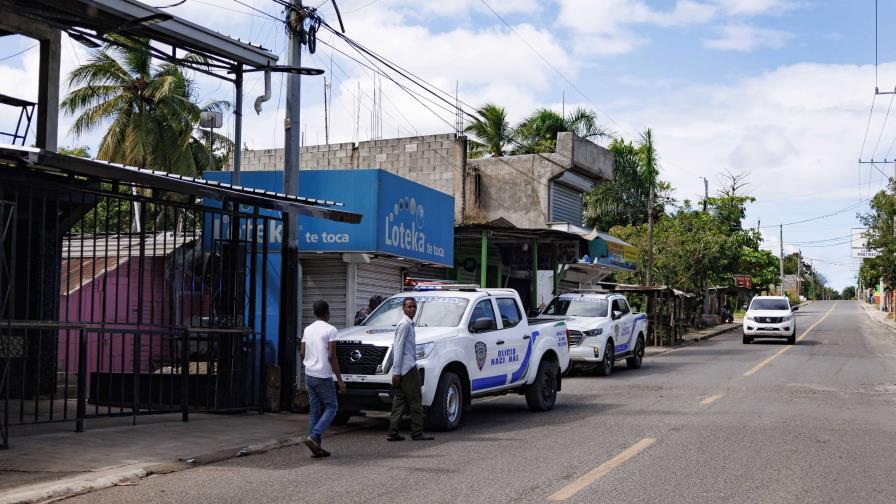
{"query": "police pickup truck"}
[(602, 329), (471, 343)]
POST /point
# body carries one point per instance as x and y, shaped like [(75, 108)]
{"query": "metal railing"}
[(125, 301)]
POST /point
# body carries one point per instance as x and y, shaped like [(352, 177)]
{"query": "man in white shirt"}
[(318, 351)]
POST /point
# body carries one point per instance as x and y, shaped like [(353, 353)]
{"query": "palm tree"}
[(625, 200), (538, 132), (491, 132), (151, 109)]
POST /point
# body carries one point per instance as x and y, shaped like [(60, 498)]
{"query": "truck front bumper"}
[(766, 330), (370, 392)]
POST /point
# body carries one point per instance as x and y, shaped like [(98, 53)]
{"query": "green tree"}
[(491, 132), (538, 132), (75, 150), (624, 199), (150, 109), (848, 292)]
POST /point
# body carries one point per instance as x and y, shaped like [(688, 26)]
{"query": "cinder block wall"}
[(436, 161)]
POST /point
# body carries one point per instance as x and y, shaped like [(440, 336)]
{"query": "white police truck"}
[(471, 343), (602, 329)]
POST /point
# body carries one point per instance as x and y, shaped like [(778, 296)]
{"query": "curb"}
[(715, 333), (99, 480)]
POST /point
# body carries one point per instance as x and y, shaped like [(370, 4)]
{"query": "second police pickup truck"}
[(471, 342), (602, 329)]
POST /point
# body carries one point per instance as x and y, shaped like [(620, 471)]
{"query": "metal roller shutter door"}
[(566, 204), (378, 277), (324, 278)]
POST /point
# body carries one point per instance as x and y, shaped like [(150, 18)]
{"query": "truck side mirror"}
[(483, 324), (617, 314), (794, 308)]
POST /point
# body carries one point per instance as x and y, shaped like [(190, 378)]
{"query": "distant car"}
[(770, 317)]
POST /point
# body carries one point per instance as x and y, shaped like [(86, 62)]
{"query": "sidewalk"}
[(695, 337), (880, 317), (42, 466)]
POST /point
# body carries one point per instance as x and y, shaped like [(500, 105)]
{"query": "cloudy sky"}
[(779, 89)]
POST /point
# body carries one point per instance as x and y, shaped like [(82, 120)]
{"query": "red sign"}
[(745, 281)]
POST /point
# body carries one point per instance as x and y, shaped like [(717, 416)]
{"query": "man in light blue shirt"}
[(407, 390)]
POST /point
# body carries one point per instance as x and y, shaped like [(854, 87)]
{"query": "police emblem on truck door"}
[(481, 352)]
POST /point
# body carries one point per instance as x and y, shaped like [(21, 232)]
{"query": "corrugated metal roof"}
[(124, 245)]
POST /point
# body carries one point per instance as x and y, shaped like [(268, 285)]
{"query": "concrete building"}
[(529, 191)]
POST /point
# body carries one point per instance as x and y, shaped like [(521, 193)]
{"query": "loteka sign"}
[(400, 217)]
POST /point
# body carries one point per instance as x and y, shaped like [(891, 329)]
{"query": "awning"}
[(59, 164), (602, 246)]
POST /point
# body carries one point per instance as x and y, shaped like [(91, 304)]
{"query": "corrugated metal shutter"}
[(566, 204), (378, 277), (324, 278)]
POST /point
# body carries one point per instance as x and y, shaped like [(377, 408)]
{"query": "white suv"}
[(770, 317)]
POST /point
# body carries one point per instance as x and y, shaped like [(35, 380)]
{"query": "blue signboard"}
[(400, 217)]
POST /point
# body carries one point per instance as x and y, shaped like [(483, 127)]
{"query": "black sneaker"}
[(322, 453), (395, 437), (312, 445), (422, 437)]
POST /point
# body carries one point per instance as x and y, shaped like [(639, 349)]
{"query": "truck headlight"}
[(424, 349), (750, 318), (593, 332), (787, 318)]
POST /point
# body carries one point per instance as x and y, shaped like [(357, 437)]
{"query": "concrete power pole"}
[(289, 254), (650, 197), (799, 273), (781, 261)]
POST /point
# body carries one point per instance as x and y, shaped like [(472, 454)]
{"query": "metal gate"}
[(379, 277), (123, 300), (566, 204), (324, 278)]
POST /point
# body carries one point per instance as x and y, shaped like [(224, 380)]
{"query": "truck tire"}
[(791, 340), (634, 362), (605, 366), (448, 404), (542, 394)]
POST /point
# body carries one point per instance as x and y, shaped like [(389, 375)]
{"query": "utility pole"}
[(650, 197), (289, 253), (705, 193), (799, 273), (781, 261)]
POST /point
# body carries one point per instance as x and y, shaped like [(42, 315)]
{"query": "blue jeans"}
[(322, 396)]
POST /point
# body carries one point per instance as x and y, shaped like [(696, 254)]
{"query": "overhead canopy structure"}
[(95, 19), (603, 248), (63, 165)]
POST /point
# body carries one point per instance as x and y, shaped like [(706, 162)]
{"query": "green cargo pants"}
[(408, 395)]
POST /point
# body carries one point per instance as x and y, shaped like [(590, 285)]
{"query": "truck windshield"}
[(769, 304), (577, 307), (431, 312)]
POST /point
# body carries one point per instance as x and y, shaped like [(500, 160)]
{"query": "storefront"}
[(406, 227)]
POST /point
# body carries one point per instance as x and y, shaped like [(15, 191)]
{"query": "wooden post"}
[(483, 259)]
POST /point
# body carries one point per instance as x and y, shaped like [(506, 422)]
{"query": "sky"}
[(781, 90)]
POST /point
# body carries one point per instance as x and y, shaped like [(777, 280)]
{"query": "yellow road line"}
[(711, 399), (762, 364), (601, 470)]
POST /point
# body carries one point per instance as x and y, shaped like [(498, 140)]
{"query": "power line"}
[(20, 52), (244, 4), (825, 216), (867, 126), (883, 127)]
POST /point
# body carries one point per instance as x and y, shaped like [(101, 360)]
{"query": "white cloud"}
[(746, 38), (609, 26)]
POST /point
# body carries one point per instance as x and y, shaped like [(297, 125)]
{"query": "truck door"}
[(517, 340), (626, 326), (488, 370)]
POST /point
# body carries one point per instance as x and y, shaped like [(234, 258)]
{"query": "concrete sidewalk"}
[(880, 317), (695, 337), (48, 465)]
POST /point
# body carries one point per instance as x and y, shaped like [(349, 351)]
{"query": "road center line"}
[(711, 399), (764, 363), (601, 470)]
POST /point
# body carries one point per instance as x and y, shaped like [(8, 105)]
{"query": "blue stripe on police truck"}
[(489, 382), (524, 366)]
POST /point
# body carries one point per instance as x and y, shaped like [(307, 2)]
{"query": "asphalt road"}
[(715, 422)]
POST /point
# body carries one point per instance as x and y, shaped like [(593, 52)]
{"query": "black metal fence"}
[(123, 301)]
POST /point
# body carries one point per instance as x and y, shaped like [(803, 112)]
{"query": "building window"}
[(567, 204)]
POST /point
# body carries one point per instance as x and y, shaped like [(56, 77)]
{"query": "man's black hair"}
[(409, 298), (321, 308)]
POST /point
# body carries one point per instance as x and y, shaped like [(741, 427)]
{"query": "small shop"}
[(407, 229)]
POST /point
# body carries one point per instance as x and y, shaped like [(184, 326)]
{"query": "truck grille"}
[(770, 320), (575, 338), (359, 359)]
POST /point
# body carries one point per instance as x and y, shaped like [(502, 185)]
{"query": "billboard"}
[(860, 244)]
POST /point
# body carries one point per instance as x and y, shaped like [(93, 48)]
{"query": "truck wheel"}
[(448, 404), (747, 340), (634, 362), (342, 417), (542, 394), (605, 367)]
